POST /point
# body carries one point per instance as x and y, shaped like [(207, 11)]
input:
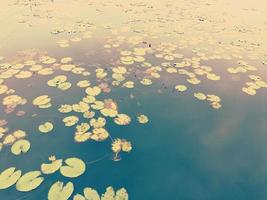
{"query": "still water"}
[(202, 135)]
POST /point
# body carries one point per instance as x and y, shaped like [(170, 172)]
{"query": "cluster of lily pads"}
[(72, 168), (181, 42)]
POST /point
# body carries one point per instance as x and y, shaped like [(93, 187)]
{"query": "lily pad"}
[(70, 120), (110, 194), (89, 194), (29, 181), (50, 168), (60, 192), (143, 119), (20, 146), (9, 177), (74, 168), (93, 91), (46, 127)]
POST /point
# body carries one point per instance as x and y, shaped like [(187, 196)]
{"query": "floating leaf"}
[(65, 108), (121, 145), (74, 168), (42, 101), (122, 119), (89, 194), (98, 123), (121, 194), (46, 127), (9, 177), (70, 120), (110, 194), (50, 168), (180, 88), (93, 91), (29, 181), (20, 146), (60, 192), (83, 83), (143, 119)]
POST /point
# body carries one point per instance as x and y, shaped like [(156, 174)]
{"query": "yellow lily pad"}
[(146, 81), (46, 127), (99, 134), (83, 83), (80, 107), (57, 80), (82, 137), (66, 60), (93, 91), (50, 168), (18, 134), (60, 192), (64, 86), (143, 119), (98, 105), (9, 177), (88, 194), (29, 181), (107, 112), (20, 146), (128, 84), (41, 100), (121, 145), (98, 123), (180, 88), (122, 119), (74, 168), (65, 108), (110, 194), (70, 120), (200, 96)]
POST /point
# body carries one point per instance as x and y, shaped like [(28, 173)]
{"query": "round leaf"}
[(29, 181), (9, 177)]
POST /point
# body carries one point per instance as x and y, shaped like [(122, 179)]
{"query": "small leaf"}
[(75, 167)]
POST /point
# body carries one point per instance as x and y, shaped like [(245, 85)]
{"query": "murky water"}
[(173, 95)]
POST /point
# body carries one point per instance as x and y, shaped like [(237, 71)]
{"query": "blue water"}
[(186, 151)]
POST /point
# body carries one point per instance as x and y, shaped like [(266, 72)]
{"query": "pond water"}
[(189, 82)]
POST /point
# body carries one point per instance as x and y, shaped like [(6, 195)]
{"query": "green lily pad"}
[(89, 194), (74, 168), (60, 192), (50, 168), (20, 146), (9, 177), (29, 181)]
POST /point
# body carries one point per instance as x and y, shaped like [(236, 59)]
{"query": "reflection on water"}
[(158, 100)]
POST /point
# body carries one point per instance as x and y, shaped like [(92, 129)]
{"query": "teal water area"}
[(186, 151)]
